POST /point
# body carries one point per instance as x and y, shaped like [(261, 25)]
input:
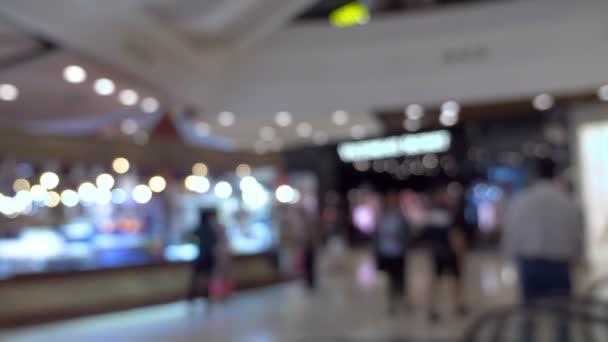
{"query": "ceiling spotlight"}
[(267, 133), (602, 93), (450, 107), (414, 112), (8, 92), (283, 119), (129, 126), (358, 132), (448, 118), (304, 130), (543, 102), (320, 138), (225, 119), (104, 87), (412, 125), (202, 129), (128, 97), (74, 74), (149, 105), (340, 117)]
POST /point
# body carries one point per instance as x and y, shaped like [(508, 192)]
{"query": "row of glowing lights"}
[(283, 119), (253, 193), (102, 86), (450, 110), (102, 192)]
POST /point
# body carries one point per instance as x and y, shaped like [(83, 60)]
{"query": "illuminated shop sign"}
[(397, 146)]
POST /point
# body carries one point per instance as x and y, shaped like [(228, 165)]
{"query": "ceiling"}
[(249, 57)]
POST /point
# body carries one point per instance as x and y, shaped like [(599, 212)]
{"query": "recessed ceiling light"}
[(414, 112), (304, 130), (267, 133), (602, 93), (543, 102), (340, 117), (452, 107), (412, 125), (320, 138), (149, 105), (283, 119), (225, 119), (104, 86), (358, 132), (128, 97), (8, 92), (129, 126), (202, 129), (74, 74), (448, 118)]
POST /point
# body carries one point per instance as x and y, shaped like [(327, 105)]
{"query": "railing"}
[(583, 318)]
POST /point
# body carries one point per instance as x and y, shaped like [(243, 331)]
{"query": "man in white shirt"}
[(542, 232)]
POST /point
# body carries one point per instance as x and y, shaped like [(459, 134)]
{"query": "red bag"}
[(220, 289)]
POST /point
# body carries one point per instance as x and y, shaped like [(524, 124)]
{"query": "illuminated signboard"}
[(397, 146)]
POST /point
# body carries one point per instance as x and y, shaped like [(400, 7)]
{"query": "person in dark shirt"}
[(391, 241), (206, 239), (444, 231)]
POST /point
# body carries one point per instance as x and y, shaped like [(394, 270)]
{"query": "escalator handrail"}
[(500, 316)]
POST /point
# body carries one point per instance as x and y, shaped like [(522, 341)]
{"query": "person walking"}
[(542, 233), (444, 231), (391, 242), (206, 238)]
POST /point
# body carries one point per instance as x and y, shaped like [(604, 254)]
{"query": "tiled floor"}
[(349, 306)]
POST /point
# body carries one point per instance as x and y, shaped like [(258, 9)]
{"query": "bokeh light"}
[(21, 184), (69, 198), (199, 169), (287, 194), (121, 165), (243, 170), (142, 194), (74, 74), (87, 192), (198, 184), (105, 181), (223, 190), (157, 184), (55, 199), (119, 196), (49, 180)]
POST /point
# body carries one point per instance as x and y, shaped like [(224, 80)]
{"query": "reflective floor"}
[(349, 305)]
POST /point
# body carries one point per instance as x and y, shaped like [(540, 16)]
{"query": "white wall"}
[(527, 47)]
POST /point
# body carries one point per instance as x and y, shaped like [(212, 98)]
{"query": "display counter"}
[(44, 297)]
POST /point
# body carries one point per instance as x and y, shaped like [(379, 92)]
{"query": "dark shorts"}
[(544, 279), (447, 265)]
